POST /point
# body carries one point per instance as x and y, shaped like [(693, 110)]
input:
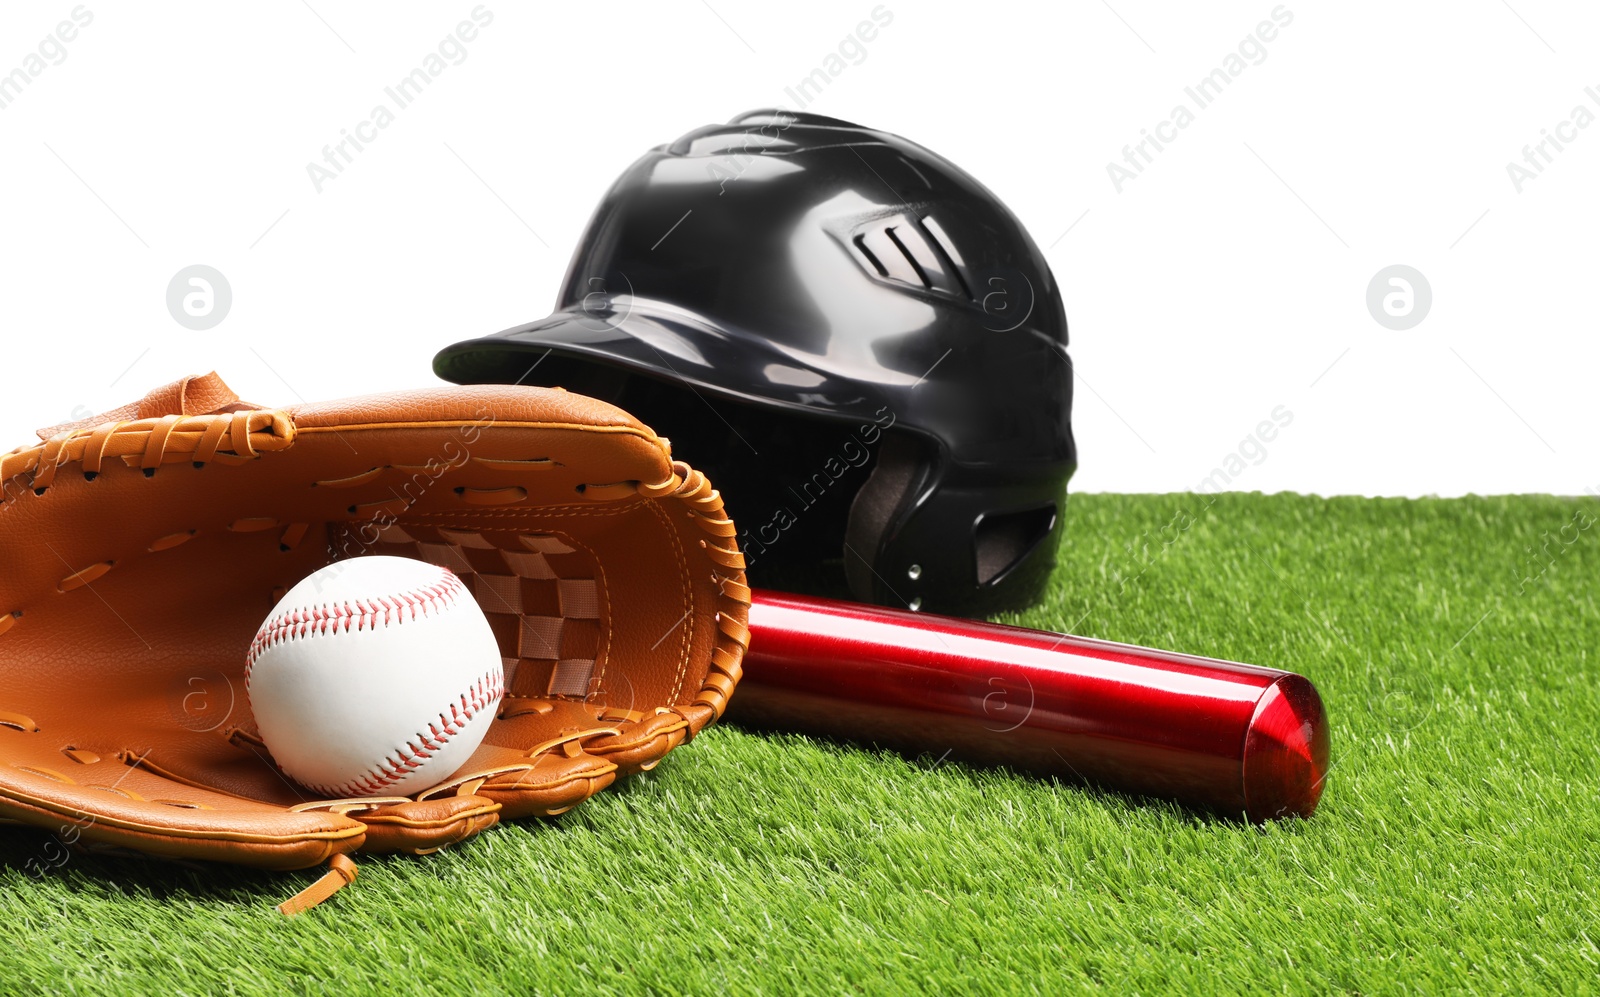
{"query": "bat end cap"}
[(1286, 751)]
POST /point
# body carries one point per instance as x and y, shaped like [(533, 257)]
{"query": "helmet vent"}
[(911, 258), (952, 258), (1003, 540), (899, 249), (861, 247)]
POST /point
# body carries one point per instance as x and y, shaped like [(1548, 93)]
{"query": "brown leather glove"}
[(144, 548)]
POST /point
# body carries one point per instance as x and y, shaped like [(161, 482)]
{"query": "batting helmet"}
[(857, 341)]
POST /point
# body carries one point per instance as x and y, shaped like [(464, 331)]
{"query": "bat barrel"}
[(1237, 739)]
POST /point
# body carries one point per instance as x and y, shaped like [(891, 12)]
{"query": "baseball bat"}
[(1236, 739)]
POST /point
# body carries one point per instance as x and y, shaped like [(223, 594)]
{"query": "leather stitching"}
[(365, 614), (148, 443), (370, 614), (686, 586), (696, 493), (484, 693)]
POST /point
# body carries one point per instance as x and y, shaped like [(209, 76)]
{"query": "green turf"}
[(1456, 846)]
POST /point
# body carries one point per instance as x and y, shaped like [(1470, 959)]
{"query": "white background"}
[(1228, 279)]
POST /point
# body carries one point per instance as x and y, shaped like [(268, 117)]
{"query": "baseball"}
[(376, 676)]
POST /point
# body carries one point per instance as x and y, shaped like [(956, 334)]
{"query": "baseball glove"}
[(144, 547)]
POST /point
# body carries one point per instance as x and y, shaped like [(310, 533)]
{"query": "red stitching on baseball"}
[(391, 769), (294, 624)]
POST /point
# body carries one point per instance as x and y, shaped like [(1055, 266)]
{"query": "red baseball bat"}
[(1236, 739)]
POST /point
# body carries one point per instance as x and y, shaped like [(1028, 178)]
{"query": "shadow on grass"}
[(37, 855), (976, 775)]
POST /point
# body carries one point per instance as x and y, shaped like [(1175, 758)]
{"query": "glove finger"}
[(554, 783), (642, 741), (554, 777), (82, 796), (420, 827)]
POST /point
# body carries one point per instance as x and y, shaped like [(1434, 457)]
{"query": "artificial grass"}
[(1455, 848)]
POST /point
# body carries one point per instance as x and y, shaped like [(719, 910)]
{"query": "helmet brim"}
[(660, 341)]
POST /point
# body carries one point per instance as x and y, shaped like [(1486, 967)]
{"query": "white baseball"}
[(376, 676)]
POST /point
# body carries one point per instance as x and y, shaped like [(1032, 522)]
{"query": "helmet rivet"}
[(915, 604), (914, 572)]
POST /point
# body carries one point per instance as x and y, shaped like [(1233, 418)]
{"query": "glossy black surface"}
[(798, 289)]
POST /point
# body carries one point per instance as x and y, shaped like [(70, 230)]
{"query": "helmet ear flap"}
[(924, 531), (877, 507)]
